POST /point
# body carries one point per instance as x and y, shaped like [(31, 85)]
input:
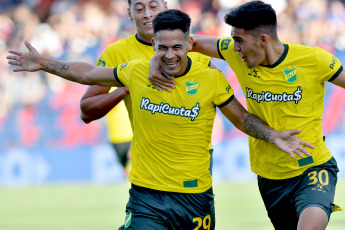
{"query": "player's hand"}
[(289, 143), (25, 61), (157, 78)]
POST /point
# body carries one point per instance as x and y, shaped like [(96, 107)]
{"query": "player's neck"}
[(274, 52), (143, 38)]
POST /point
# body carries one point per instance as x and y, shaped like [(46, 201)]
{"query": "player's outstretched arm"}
[(255, 127), (80, 72), (97, 102)]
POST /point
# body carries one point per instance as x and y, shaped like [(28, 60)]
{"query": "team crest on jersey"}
[(192, 87), (225, 44), (101, 63), (290, 74), (128, 219), (122, 66)]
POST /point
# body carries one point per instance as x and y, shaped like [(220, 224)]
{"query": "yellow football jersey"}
[(287, 95), (173, 130), (123, 51)]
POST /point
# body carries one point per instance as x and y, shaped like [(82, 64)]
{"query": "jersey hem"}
[(289, 175), (169, 189)]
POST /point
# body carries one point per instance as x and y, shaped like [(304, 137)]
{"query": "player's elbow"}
[(239, 123), (85, 118), (85, 112)]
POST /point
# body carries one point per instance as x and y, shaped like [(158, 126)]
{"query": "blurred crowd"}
[(78, 30)]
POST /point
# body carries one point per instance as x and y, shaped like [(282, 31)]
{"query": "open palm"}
[(25, 61)]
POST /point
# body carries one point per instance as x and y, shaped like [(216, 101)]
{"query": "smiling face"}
[(142, 13), (172, 47), (249, 47)]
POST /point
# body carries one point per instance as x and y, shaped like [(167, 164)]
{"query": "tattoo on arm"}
[(255, 127), (56, 67), (251, 124)]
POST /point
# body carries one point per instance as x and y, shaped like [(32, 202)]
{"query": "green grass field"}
[(83, 207)]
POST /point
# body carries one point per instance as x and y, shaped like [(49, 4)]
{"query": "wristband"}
[(126, 90)]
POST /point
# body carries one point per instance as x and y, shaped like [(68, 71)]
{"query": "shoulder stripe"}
[(226, 102), (116, 77), (336, 74), (220, 55)]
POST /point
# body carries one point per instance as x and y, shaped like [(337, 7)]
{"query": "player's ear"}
[(190, 43), (129, 14), (263, 39), (153, 44)]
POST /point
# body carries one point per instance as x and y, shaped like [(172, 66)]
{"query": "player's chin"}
[(171, 72)]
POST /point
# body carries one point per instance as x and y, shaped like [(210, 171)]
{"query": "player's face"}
[(142, 13), (172, 47), (248, 47)]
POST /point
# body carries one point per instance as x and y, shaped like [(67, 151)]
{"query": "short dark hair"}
[(171, 20), (253, 15), (130, 2)]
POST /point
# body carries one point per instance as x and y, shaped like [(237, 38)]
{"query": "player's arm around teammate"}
[(88, 74)]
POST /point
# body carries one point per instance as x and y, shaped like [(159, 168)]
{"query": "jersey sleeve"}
[(329, 65), (226, 52), (107, 59), (224, 45), (122, 72), (224, 92)]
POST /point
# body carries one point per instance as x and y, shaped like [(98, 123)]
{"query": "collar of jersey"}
[(187, 69), (281, 59), (141, 41)]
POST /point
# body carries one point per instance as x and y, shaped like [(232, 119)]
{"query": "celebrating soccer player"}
[(284, 86)]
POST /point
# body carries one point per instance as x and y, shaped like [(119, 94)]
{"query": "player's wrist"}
[(126, 90), (273, 136)]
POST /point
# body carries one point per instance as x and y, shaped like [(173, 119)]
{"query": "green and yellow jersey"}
[(287, 95), (172, 130), (123, 51)]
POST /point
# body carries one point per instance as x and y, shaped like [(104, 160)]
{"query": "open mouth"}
[(171, 64), (148, 23)]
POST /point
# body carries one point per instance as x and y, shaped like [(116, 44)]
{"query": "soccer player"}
[(284, 86), (97, 101), (171, 183)]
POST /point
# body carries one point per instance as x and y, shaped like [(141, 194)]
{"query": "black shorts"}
[(152, 209), (286, 199)]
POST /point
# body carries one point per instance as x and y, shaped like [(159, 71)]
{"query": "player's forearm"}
[(255, 127), (206, 45), (98, 106), (72, 71), (247, 122), (80, 72)]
